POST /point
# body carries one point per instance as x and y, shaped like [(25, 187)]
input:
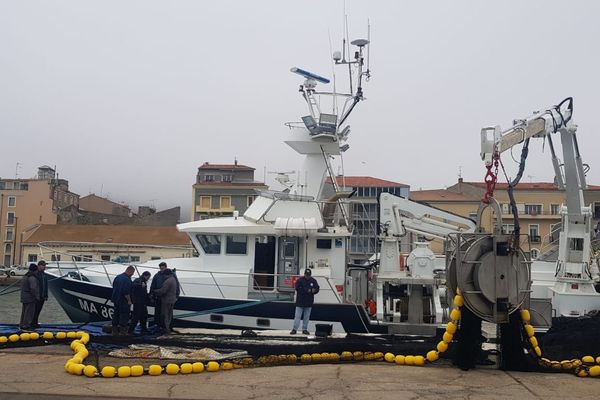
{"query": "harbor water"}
[(10, 308)]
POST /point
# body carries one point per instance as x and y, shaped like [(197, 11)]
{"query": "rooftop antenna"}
[(17, 166)]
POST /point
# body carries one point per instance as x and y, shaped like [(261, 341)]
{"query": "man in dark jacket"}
[(167, 294), (30, 296), (306, 288), (139, 298), (157, 282), (43, 285), (121, 298)]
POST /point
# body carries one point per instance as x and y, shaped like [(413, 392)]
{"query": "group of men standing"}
[(34, 292), (164, 292)]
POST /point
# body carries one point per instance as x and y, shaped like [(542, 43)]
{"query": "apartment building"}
[(363, 211), (538, 205), (26, 203), (221, 189)]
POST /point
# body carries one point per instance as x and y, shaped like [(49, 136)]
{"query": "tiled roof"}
[(364, 181), (125, 234), (258, 185), (239, 167), (104, 199), (441, 195), (527, 185)]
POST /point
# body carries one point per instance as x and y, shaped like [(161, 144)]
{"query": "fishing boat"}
[(247, 265)]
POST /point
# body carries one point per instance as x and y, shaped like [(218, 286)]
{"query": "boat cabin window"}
[(211, 244), (289, 249), (323, 243), (236, 244)]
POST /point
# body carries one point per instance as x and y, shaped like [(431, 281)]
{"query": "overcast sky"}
[(128, 98)]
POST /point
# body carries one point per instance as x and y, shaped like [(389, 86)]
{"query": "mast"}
[(321, 136)]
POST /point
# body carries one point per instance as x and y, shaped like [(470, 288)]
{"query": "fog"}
[(128, 98)]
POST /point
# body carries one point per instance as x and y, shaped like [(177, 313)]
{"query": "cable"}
[(511, 186)]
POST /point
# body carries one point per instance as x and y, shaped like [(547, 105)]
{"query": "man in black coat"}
[(139, 298), (30, 296), (157, 282), (43, 286), (306, 288)]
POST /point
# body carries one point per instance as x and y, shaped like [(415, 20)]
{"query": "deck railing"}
[(65, 270)]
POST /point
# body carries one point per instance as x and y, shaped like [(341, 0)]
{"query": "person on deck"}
[(157, 282), (43, 286), (121, 298), (30, 296), (167, 294), (139, 298), (306, 288)]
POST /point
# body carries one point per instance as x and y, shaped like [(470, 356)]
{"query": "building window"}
[(236, 244), (10, 218), (533, 209), (250, 200), (227, 178), (535, 253), (9, 234), (209, 178), (211, 244), (105, 257), (8, 254), (534, 233), (155, 258), (55, 257), (508, 228), (554, 209), (596, 210), (225, 201), (205, 202), (134, 258), (32, 258), (12, 201)]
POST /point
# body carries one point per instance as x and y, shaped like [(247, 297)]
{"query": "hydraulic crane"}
[(494, 271)]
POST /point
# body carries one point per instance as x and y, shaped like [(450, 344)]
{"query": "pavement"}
[(37, 373)]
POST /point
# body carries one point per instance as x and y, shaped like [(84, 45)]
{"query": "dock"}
[(9, 280), (37, 372)]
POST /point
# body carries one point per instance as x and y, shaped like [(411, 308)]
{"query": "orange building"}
[(26, 203)]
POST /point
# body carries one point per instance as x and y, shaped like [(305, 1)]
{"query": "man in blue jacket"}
[(306, 288), (121, 298)]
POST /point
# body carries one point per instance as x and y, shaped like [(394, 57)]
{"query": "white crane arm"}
[(494, 141), (400, 215)]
